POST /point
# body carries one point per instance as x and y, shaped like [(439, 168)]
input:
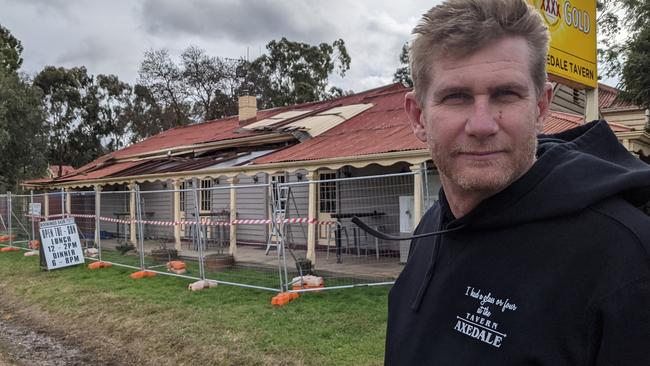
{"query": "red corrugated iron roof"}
[(608, 98), (381, 129), (385, 128), (198, 133), (101, 172), (557, 122), (222, 129)]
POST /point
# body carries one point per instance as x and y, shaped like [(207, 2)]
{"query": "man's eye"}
[(506, 96), (456, 98)]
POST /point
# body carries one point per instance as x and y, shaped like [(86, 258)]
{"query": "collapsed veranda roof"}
[(368, 123)]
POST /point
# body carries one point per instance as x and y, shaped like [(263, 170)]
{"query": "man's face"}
[(481, 116)]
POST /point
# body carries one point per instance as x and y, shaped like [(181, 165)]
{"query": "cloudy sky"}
[(110, 37)]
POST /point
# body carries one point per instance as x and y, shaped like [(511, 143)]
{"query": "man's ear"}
[(544, 106), (415, 115)]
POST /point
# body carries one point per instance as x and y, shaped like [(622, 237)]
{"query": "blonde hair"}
[(461, 27)]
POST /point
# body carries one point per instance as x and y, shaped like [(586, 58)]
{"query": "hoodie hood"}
[(574, 169)]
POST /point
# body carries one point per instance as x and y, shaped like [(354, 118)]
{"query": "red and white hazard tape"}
[(117, 221), (293, 220), (83, 216)]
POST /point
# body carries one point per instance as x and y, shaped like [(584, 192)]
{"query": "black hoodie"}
[(554, 270)]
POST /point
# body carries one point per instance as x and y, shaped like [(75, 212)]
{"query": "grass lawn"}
[(158, 321)]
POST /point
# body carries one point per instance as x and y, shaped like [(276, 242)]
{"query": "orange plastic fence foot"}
[(142, 274), (98, 265), (177, 267), (284, 298), (4, 238), (34, 244), (9, 249)]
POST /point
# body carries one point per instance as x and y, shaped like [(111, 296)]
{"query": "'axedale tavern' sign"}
[(572, 24)]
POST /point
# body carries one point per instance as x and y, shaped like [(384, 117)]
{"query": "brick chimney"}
[(247, 108)]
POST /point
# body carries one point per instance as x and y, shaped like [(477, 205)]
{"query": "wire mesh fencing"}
[(20, 221), (115, 239), (233, 227), (343, 254), (149, 229), (82, 208), (7, 235), (264, 232)]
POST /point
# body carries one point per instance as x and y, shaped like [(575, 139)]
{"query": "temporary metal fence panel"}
[(115, 240), (5, 220), (4, 214), (199, 234), (251, 232), (162, 237), (82, 208), (19, 218), (21, 221), (235, 233), (345, 255)]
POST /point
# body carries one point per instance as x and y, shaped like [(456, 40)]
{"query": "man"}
[(544, 259)]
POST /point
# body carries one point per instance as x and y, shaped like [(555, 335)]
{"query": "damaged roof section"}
[(382, 128), (170, 164), (308, 124)]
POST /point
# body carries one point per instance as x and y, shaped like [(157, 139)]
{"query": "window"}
[(275, 180), (183, 187), (206, 195), (327, 193)]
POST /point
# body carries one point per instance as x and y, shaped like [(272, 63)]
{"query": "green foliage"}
[(113, 100), (403, 73), (627, 58), (166, 83), (86, 116), (10, 51), (295, 72), (211, 83), (145, 115), (23, 143), (202, 87), (71, 109), (635, 76)]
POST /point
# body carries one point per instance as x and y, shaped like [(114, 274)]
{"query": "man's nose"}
[(481, 122)]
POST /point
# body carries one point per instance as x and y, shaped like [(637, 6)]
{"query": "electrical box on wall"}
[(407, 210)]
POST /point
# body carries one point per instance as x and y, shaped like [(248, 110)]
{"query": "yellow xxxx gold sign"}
[(572, 54)]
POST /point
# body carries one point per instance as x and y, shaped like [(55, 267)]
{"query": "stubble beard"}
[(485, 177)]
